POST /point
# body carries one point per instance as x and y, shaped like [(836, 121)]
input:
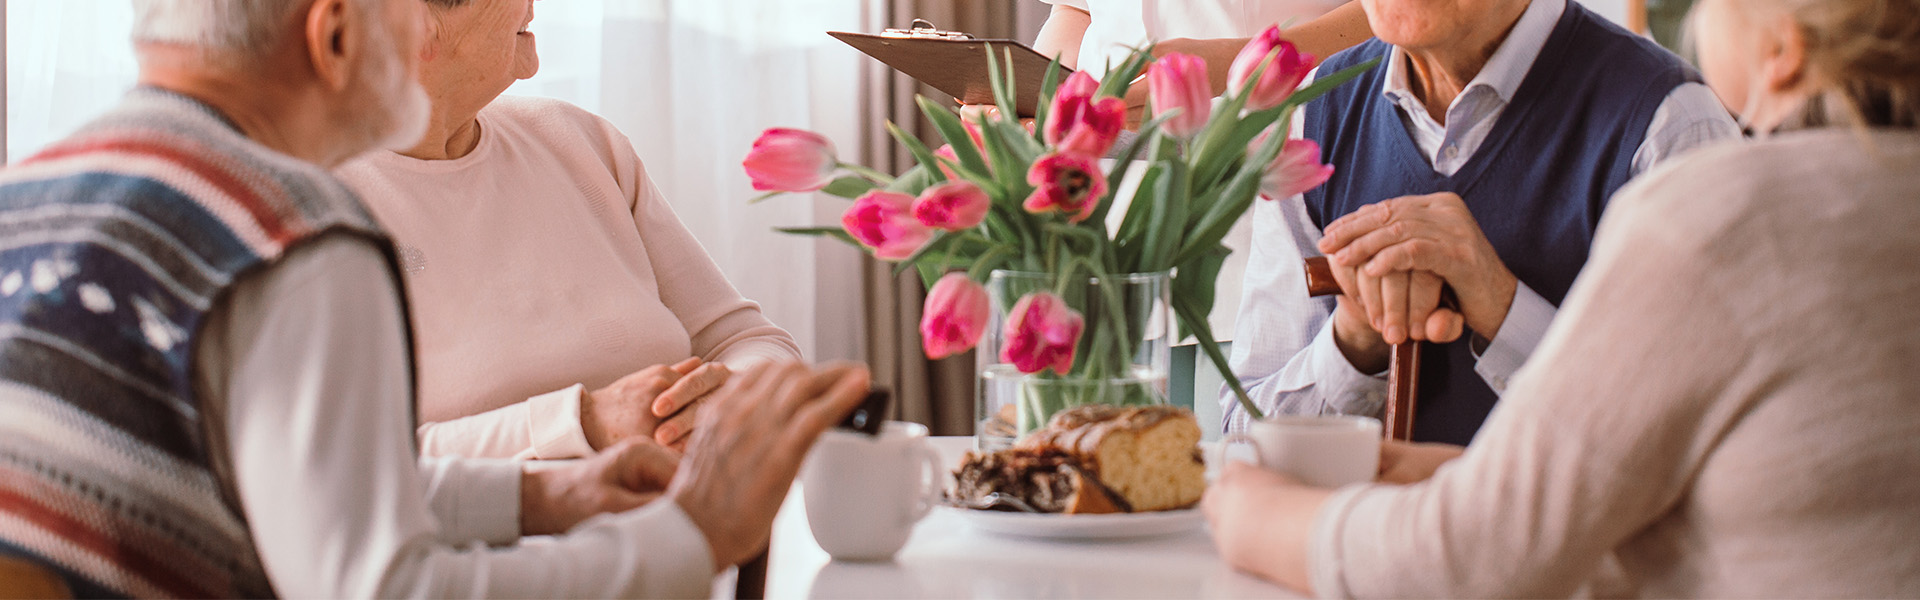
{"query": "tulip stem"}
[(871, 174)]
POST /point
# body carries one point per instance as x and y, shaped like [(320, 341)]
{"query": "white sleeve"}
[(309, 358), (1283, 348), (544, 427), (1080, 4)]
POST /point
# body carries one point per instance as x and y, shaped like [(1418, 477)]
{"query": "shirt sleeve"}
[(725, 327), (1527, 320), (544, 427), (1591, 445), (309, 359), (1691, 117), (1284, 352)]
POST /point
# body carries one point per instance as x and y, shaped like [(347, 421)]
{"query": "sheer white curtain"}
[(693, 82), (67, 60)]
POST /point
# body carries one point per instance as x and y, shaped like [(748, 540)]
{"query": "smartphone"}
[(871, 414)]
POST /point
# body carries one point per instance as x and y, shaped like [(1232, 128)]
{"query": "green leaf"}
[(1116, 82), (1048, 85), (1123, 165), (1003, 83), (1169, 210), (955, 134), (1233, 202), (920, 152), (849, 187), (914, 181), (1196, 321), (764, 197), (938, 245), (1196, 279), (832, 232)]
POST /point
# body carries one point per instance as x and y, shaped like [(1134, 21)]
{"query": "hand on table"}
[(1262, 522), (660, 402), (748, 447), (1401, 251), (622, 477), (1403, 462)]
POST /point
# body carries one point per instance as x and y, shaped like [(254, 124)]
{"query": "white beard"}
[(401, 104)]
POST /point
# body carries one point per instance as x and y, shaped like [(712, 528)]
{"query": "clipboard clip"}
[(923, 28)]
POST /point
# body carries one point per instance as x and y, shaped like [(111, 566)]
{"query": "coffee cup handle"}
[(933, 483), (1218, 456)]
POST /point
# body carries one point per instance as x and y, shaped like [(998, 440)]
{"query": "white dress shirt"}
[(1285, 353), (306, 365)]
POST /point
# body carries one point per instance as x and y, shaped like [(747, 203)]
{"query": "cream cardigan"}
[(1726, 403)]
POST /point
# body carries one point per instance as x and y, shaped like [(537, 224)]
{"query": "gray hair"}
[(217, 26)]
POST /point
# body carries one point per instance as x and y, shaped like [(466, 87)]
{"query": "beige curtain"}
[(940, 393)]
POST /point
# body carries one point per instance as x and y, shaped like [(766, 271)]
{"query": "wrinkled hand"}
[(1262, 522), (625, 476), (1392, 241), (1402, 462), (748, 448), (649, 403)]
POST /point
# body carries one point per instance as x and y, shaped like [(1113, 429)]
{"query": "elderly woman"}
[(1725, 406), (559, 305), (1482, 151)]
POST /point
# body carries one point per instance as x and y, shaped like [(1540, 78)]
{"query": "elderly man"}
[(1480, 155), (204, 355)]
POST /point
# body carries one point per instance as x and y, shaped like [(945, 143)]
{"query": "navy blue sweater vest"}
[(1537, 185)]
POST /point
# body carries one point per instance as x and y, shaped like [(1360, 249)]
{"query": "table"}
[(946, 558)]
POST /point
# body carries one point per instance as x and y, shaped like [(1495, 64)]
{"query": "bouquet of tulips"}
[(1004, 195)]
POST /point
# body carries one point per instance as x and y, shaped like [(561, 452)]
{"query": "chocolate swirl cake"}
[(1096, 459)]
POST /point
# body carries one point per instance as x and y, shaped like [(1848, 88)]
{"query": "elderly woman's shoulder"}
[(1740, 177), (548, 117)]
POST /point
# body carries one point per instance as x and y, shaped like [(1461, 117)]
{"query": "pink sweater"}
[(543, 261)]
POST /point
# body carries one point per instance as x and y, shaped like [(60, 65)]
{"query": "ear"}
[(1783, 67), (333, 43)]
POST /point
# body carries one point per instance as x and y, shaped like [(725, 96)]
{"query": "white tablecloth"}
[(948, 559)]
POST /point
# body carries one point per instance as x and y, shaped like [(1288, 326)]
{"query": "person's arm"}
[(310, 359), (1691, 117), (1284, 350), (1597, 439), (725, 327), (544, 427), (1061, 35), (1339, 29)]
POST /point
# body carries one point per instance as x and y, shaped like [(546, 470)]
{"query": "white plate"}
[(1081, 527)]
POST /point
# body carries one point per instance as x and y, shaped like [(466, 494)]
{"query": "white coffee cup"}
[(865, 493), (1317, 450)]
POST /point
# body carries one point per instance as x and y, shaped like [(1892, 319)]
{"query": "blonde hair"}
[(1867, 54)]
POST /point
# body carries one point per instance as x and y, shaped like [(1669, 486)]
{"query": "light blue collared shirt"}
[(1284, 351)]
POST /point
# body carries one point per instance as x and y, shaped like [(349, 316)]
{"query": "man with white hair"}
[(205, 365)]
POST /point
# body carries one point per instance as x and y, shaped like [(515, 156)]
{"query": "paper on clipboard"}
[(956, 63)]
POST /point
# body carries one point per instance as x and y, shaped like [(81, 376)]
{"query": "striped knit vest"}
[(114, 246)]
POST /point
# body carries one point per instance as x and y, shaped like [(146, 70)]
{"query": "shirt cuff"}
[(1526, 323), (1344, 388), (1325, 571), (553, 424), (476, 499)]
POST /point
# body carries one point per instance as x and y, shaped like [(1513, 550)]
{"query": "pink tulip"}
[(1296, 170), (1283, 74), (946, 152), (953, 206), (1042, 334), (790, 160), (1079, 123), (954, 317), (1068, 183), (1179, 82), (884, 221)]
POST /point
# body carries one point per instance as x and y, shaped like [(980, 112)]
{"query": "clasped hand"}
[(660, 402), (1393, 257)]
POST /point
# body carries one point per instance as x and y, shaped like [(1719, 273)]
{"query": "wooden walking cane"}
[(1403, 372)]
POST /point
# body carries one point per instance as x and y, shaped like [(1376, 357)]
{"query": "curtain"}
[(66, 62), (692, 83)]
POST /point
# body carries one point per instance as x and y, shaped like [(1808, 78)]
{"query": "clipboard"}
[(956, 63)]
